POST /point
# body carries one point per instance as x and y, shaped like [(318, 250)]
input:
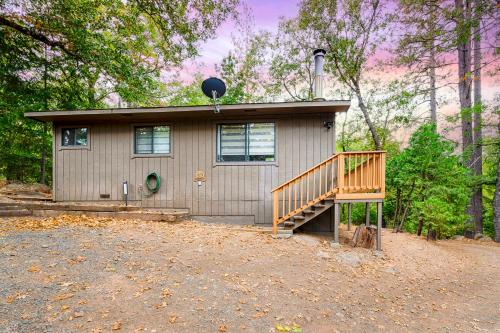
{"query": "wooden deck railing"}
[(365, 172), (347, 174)]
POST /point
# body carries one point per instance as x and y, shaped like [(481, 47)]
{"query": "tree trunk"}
[(43, 159), (431, 234), (432, 69), (364, 236), (420, 226), (463, 10), (477, 154), (432, 87), (407, 208), (464, 76), (405, 214), (496, 202), (396, 210), (371, 126)]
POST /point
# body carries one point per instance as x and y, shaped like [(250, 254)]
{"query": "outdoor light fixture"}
[(125, 192)]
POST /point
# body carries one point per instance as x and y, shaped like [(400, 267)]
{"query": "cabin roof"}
[(248, 110)]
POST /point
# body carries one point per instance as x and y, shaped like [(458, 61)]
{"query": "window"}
[(75, 136), (152, 140), (245, 142)]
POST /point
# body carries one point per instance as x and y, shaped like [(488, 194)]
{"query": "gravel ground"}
[(102, 275)]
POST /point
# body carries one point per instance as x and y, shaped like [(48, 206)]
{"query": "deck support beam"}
[(332, 218), (336, 212), (349, 216), (367, 214), (379, 226)]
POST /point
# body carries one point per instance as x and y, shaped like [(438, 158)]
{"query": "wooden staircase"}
[(347, 176)]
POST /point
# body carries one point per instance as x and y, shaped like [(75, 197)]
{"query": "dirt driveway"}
[(98, 275)]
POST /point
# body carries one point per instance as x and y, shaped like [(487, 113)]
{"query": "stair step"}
[(284, 233), (289, 223), (18, 212), (329, 199), (13, 207), (298, 217), (308, 211), (318, 205)]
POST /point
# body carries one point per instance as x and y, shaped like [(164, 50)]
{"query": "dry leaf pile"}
[(23, 224)]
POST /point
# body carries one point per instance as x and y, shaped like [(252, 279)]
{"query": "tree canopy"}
[(78, 54)]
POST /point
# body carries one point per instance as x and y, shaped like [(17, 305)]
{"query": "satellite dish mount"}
[(214, 88)]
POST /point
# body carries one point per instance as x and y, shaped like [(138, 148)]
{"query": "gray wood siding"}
[(233, 190)]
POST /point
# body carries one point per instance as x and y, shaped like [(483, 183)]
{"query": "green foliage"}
[(187, 94), (428, 182), (78, 54), (490, 161), (291, 66), (241, 70)]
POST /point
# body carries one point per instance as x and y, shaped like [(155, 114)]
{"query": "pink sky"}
[(266, 14)]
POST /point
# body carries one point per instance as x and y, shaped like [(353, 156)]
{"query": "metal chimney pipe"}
[(319, 60)]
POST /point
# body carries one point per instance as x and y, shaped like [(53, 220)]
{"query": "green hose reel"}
[(153, 176)]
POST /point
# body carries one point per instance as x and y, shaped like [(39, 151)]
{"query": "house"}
[(249, 164)]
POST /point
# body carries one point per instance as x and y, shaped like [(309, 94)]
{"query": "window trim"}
[(151, 155), (59, 139), (240, 163)]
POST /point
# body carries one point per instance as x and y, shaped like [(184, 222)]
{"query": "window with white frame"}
[(241, 142), (152, 139)]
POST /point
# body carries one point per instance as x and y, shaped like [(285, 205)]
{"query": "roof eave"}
[(177, 111)]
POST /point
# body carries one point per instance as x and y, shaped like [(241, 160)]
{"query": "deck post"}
[(275, 212), (332, 218), (336, 223), (349, 216), (379, 226), (367, 214)]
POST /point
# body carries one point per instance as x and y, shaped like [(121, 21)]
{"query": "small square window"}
[(77, 136), (152, 140)]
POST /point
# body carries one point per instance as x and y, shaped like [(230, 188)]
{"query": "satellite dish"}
[(214, 88)]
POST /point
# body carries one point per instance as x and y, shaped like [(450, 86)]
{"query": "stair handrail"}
[(323, 162), (304, 173), (338, 161)]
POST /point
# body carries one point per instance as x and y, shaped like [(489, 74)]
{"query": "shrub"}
[(428, 184)]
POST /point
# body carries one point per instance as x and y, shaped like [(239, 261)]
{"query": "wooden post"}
[(340, 173), (379, 226), (336, 223), (275, 212), (349, 216), (382, 173), (367, 214), (332, 218)]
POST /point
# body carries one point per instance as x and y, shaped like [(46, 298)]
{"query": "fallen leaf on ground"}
[(166, 293), (76, 260), (61, 297), (294, 328), (34, 269), (116, 326)]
